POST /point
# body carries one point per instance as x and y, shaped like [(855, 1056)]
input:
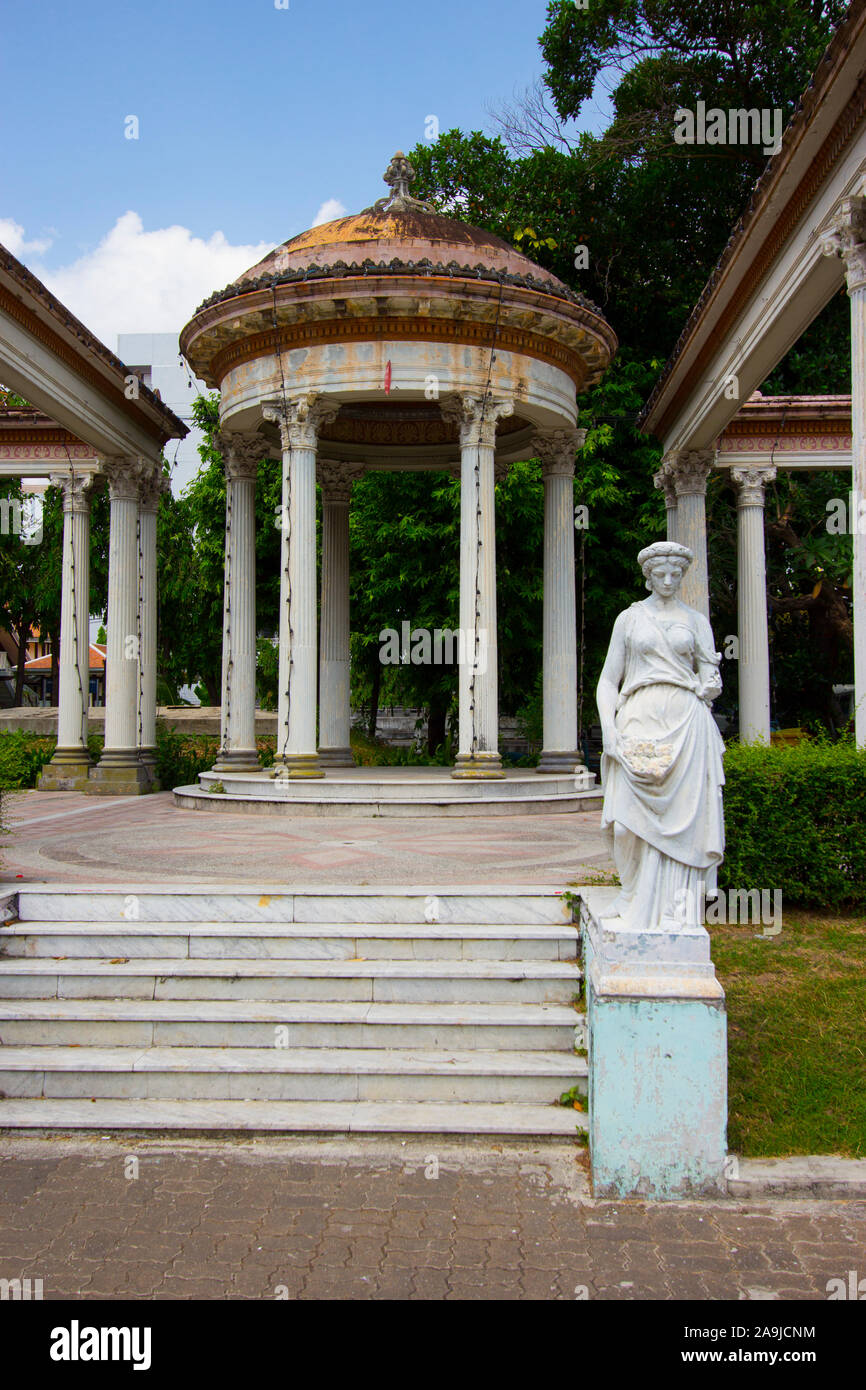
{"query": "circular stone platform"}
[(393, 791)]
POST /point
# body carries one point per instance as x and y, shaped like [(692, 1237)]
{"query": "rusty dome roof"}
[(398, 234)]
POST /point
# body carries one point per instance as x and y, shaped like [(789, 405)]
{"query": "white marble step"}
[(260, 1023), (293, 1117), (290, 941), (436, 906), (385, 981), (280, 1074)]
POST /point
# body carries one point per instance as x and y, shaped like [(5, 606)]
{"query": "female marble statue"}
[(662, 761)]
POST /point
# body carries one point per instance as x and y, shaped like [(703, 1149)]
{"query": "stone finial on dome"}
[(399, 176)]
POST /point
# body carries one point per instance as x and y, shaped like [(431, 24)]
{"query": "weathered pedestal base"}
[(298, 765), (237, 760), (68, 771), (478, 765), (657, 1059), (120, 772), (559, 762), (336, 757)]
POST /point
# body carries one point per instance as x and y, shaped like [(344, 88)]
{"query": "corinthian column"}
[(336, 481), (664, 482), (71, 764), (477, 417), (238, 752), (557, 449), (688, 472), (754, 652), (152, 489), (847, 238), (120, 771), (300, 420)]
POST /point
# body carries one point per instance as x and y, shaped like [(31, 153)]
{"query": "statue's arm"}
[(707, 661), (609, 683)]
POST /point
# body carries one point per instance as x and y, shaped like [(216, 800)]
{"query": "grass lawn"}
[(796, 1035)]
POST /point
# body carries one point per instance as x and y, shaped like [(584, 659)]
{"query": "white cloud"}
[(137, 281), (13, 237), (330, 210)]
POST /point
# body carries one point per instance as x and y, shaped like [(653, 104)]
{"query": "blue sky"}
[(250, 119)]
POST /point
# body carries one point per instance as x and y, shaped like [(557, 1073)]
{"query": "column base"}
[(551, 761), (336, 757), (297, 765), (68, 771), (147, 757), (237, 760), (120, 772), (478, 766)]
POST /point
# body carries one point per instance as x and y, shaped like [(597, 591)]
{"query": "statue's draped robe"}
[(669, 835)]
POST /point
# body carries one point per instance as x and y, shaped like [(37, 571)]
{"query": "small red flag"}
[(388, 379)]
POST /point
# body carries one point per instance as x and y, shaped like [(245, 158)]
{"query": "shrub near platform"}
[(23, 756), (795, 820)]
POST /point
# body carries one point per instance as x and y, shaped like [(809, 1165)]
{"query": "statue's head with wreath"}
[(666, 553)]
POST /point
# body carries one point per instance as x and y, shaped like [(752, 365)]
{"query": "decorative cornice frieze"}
[(751, 483), (300, 418), (688, 471), (476, 418), (314, 332), (557, 450), (242, 454), (846, 237), (76, 489), (336, 480)]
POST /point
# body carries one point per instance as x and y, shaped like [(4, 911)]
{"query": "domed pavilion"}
[(393, 339)]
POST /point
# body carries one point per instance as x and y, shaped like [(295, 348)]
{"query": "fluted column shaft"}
[(334, 692), (151, 492), (238, 751), (70, 765), (847, 238), (120, 770), (299, 420), (754, 651), (858, 459), (688, 472), (559, 681), (478, 681)]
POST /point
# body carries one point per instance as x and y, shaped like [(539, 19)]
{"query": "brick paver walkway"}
[(353, 1220), (70, 837)]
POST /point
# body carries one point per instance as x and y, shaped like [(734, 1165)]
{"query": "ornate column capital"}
[(846, 237), (125, 476), (152, 489), (300, 419), (476, 417), (688, 471), (241, 454), (751, 481), (556, 449), (665, 483), (75, 489), (337, 479)]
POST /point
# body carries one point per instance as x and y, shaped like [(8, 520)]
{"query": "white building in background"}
[(155, 358)]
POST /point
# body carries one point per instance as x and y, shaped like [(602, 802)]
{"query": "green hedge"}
[(181, 757), (22, 758), (795, 819)]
